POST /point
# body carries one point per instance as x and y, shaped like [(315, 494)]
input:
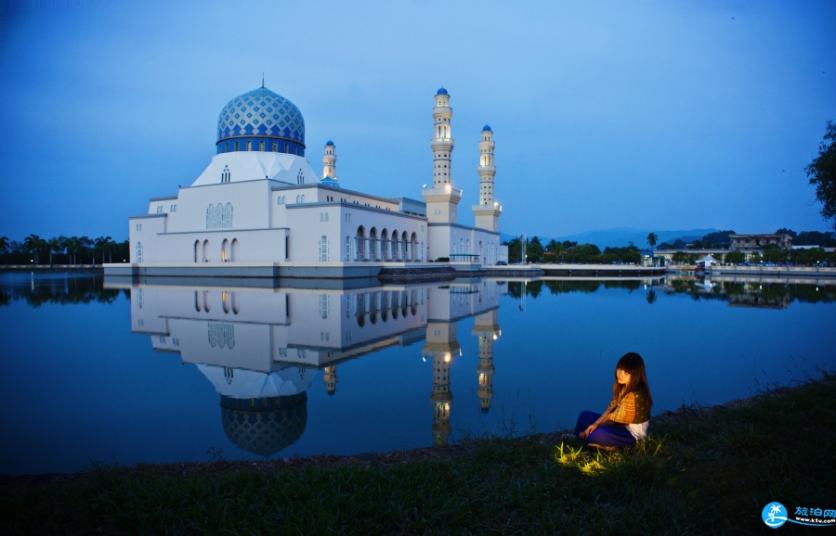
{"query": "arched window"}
[(300, 177), (414, 246), (384, 242), (404, 243), (225, 301), (226, 176), (196, 250), (394, 247), (373, 244), (206, 301), (323, 248), (361, 244), (233, 250), (196, 302), (234, 300), (225, 250), (205, 251)]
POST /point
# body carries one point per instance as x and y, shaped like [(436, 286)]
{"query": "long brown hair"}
[(634, 364)]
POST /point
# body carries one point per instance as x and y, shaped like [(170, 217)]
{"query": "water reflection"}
[(311, 370), (754, 292), (261, 347), (772, 293)]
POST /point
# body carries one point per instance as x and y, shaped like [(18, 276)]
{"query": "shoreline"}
[(395, 457), (730, 459)]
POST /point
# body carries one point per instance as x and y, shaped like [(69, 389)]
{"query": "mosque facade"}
[(260, 205)]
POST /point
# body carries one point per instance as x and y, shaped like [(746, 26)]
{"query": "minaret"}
[(329, 377), (442, 198), (488, 210), (329, 161), (486, 328), (440, 346)]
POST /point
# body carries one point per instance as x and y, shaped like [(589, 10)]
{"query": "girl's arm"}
[(604, 416)]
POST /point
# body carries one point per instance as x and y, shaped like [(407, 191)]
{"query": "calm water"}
[(121, 372)]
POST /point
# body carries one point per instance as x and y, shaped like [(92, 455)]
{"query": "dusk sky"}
[(654, 115)]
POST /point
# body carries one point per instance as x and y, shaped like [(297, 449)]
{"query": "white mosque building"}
[(259, 208)]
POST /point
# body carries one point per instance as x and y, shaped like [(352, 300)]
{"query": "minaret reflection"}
[(329, 377), (441, 346), (487, 329)]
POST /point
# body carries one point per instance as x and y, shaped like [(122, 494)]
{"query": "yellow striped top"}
[(633, 408)]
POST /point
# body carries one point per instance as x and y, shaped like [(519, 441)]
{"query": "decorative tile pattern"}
[(264, 112)]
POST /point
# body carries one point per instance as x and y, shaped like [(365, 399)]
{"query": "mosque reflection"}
[(261, 348)]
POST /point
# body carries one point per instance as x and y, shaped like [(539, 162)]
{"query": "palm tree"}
[(99, 245), (73, 244), (63, 242), (85, 243), (34, 244), (4, 244), (651, 239), (54, 246)]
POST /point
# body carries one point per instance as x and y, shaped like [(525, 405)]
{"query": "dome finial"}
[(262, 79)]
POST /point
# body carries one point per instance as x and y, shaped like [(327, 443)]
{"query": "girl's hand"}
[(589, 429)]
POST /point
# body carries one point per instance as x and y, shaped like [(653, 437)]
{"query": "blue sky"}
[(657, 115)]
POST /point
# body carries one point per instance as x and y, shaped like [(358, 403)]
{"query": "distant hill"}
[(622, 236)]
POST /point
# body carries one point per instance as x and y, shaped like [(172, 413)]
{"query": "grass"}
[(701, 471)]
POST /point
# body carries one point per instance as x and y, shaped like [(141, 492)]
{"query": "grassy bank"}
[(702, 470)]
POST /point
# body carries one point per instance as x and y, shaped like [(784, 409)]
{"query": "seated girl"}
[(627, 416)]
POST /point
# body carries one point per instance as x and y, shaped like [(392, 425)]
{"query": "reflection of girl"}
[(627, 416)]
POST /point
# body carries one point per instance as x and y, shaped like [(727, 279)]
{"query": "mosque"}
[(259, 209)]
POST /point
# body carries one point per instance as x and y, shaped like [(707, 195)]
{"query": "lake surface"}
[(121, 372)]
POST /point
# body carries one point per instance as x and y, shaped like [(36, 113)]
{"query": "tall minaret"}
[(442, 198), (485, 326), (488, 210), (329, 161)]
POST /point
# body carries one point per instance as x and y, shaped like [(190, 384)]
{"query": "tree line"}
[(722, 240), (62, 250), (571, 252)]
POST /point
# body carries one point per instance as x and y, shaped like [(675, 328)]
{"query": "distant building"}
[(748, 242)]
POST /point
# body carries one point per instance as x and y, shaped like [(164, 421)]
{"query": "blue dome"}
[(329, 142), (486, 128), (441, 91), (261, 120)]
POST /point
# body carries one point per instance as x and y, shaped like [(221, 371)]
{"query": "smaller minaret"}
[(329, 377), (329, 161), (488, 210), (485, 326)]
